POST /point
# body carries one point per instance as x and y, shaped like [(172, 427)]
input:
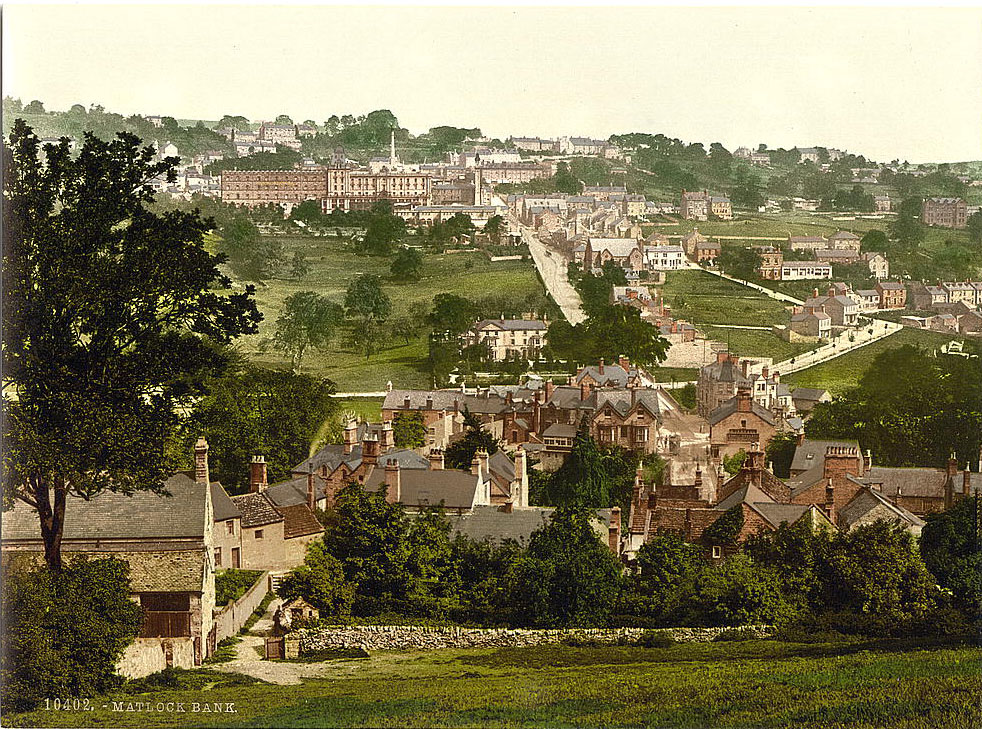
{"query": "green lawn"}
[(757, 684), (703, 298), (843, 372), (367, 408), (756, 343), (333, 264)]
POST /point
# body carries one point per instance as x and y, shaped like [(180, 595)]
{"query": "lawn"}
[(843, 372), (741, 684), (757, 343), (333, 264), (703, 298)]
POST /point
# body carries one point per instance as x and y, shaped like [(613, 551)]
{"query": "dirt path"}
[(249, 661)]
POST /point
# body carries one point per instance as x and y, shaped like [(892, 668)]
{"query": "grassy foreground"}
[(743, 684)]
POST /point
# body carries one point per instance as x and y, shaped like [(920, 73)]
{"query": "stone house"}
[(843, 309), (970, 323), (805, 398), (879, 266), (811, 321), (739, 423), (624, 252), (509, 338), (945, 212), (707, 251), (771, 259), (844, 240), (838, 256), (882, 203), (804, 270), (892, 295), (959, 291), (167, 543), (807, 242), (695, 205), (689, 241), (868, 300), (664, 258), (720, 208), (926, 297)]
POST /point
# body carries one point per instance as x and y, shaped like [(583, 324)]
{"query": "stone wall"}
[(148, 655), (233, 616), (399, 637)]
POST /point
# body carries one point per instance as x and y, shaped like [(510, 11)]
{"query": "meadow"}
[(841, 373), (747, 684), (334, 264)]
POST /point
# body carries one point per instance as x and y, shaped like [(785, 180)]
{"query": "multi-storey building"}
[(721, 208), (770, 262), (945, 212), (892, 295), (338, 188), (508, 338), (801, 270), (694, 205)]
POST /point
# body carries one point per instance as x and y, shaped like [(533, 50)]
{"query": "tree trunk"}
[(52, 520)]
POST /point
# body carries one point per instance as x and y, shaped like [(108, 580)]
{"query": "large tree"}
[(308, 320), (112, 319), (365, 298)]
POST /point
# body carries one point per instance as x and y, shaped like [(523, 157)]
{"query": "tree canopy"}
[(113, 317)]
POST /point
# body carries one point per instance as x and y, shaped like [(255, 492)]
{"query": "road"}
[(552, 269)]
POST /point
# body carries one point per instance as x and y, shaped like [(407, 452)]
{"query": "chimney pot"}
[(600, 368), (257, 474), (201, 475)]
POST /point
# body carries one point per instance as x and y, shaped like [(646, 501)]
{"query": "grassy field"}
[(756, 343), (333, 264), (843, 372), (744, 684), (703, 298)]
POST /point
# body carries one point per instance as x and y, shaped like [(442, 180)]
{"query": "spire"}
[(392, 148)]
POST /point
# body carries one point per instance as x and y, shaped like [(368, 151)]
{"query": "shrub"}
[(64, 632), (320, 581), (232, 584), (735, 634), (656, 639)]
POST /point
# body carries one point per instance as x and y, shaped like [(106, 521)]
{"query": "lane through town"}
[(552, 268)]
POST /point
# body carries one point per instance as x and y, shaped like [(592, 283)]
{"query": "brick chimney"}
[(388, 437), (614, 530), (520, 494), (698, 480), (600, 367), (482, 456), (744, 399), (841, 462), (350, 436), (475, 465), (429, 402), (550, 388), (201, 462), (966, 481), (311, 491), (406, 403), (722, 357), (257, 475), (624, 362), (952, 469), (393, 481), (584, 390), (435, 458), (830, 501), (370, 449), (744, 366)]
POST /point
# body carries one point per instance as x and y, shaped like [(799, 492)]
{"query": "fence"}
[(230, 619)]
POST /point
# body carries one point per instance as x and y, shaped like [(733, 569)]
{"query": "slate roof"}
[(257, 510), (868, 499), (808, 393), (559, 430), (511, 324), (613, 373), (727, 371), (812, 452), (456, 489), (496, 525), (222, 506), (298, 521), (730, 406), (109, 515), (331, 456), (776, 513), (918, 481), (442, 399), (746, 494), (292, 492), (618, 247), (623, 401)]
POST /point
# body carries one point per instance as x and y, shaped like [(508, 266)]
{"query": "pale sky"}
[(889, 82)]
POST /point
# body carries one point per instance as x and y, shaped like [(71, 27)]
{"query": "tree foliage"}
[(254, 411), (64, 632), (952, 550), (321, 582), (308, 320), (112, 319), (409, 430), (460, 453)]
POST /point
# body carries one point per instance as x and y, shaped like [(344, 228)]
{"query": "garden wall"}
[(400, 637), (233, 616)]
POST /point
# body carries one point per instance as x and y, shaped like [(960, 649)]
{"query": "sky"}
[(888, 82)]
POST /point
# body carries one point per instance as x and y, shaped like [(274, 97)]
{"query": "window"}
[(717, 552), (230, 526), (259, 534), (218, 556)]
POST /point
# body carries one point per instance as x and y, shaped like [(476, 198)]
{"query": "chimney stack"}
[(600, 368), (393, 481), (550, 388), (475, 465), (311, 491), (521, 481), (406, 403), (482, 456), (201, 462), (744, 399), (257, 475), (388, 437), (429, 402), (370, 450), (584, 390), (614, 530), (966, 482), (435, 458), (952, 466), (350, 436), (624, 362)]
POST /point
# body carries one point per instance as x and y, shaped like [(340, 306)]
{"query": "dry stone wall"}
[(402, 637)]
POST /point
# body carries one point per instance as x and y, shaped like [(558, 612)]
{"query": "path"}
[(552, 269), (247, 659)]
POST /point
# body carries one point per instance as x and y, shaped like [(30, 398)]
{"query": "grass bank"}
[(741, 684)]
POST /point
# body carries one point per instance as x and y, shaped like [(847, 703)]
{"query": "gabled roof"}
[(299, 521), (866, 500), (222, 506), (808, 393), (730, 406), (810, 452), (456, 489), (496, 525), (624, 401), (613, 373), (109, 515), (257, 510), (748, 493), (511, 324), (442, 399)]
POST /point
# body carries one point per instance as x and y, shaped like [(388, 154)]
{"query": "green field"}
[(333, 264), (703, 298), (756, 343), (843, 372), (743, 684)]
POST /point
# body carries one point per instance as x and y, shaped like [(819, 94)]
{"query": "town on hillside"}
[(339, 423)]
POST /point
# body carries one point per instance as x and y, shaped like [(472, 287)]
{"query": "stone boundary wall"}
[(230, 619), (148, 655), (408, 637)]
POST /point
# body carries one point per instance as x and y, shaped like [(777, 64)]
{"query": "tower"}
[(392, 148)]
